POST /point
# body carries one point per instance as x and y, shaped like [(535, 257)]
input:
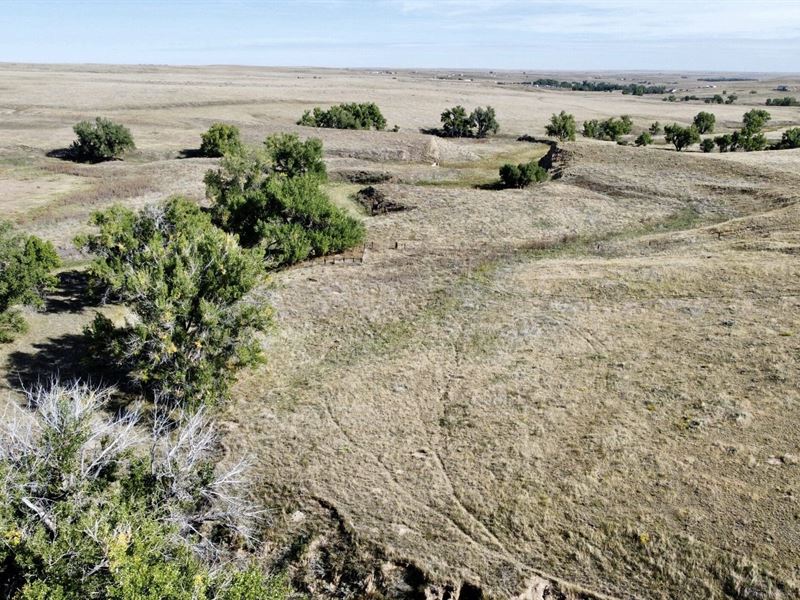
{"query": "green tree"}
[(681, 137), (353, 115), (790, 139), (101, 140), (485, 121), (644, 139), (456, 122), (292, 158), (754, 120), (276, 201), (188, 285), (608, 129), (91, 508), (704, 122), (707, 145), (562, 126), (724, 142), (26, 265), (220, 139), (522, 175)]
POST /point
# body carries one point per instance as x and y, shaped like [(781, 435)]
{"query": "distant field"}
[(591, 382)]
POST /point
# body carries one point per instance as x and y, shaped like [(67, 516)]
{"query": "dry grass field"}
[(584, 389)]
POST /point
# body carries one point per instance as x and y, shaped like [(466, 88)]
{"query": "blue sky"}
[(502, 34)]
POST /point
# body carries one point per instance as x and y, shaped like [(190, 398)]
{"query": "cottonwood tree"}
[(562, 126), (484, 121), (456, 122), (681, 137), (704, 122)]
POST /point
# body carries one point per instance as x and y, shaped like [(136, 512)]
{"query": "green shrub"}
[(724, 142), (101, 140), (562, 126), (484, 121), (785, 101), (609, 129), (26, 263), (292, 158), (479, 123), (90, 509), (707, 145), (220, 139), (456, 122), (275, 200), (522, 175), (186, 282), (790, 139), (681, 137), (291, 217), (366, 115), (655, 128), (754, 120), (644, 139), (704, 122)]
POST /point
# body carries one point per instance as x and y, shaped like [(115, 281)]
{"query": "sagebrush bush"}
[(522, 175), (101, 140), (26, 265), (187, 284), (220, 139), (562, 126), (92, 507), (353, 115)]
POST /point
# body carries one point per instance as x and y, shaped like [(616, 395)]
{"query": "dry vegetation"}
[(591, 382)]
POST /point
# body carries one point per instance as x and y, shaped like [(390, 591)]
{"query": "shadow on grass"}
[(492, 185), (73, 294), (67, 154), (191, 153), (67, 358), (61, 154)]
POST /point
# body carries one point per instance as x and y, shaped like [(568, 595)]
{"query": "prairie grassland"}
[(591, 381)]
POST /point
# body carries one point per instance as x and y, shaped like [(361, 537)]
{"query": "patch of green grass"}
[(342, 194), (484, 171)]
